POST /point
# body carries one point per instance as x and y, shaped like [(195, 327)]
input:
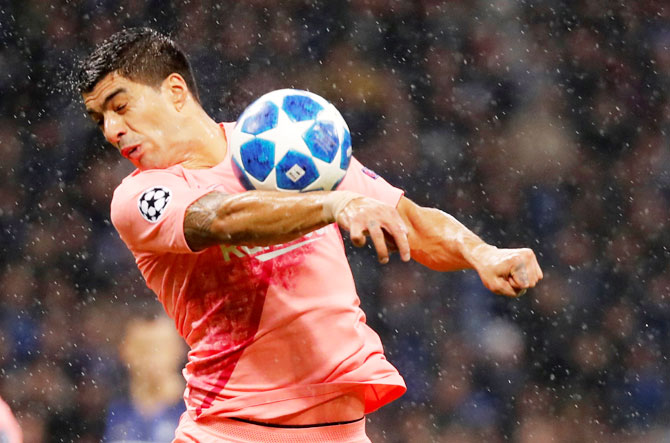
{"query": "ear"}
[(175, 89)]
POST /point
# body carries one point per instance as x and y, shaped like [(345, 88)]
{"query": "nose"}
[(114, 128)]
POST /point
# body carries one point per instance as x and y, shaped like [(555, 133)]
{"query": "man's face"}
[(139, 120)]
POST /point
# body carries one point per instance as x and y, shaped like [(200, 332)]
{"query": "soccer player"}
[(258, 283), (153, 353)]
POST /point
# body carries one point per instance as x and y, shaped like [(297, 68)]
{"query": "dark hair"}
[(139, 54)]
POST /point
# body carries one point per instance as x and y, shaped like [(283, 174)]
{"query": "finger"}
[(535, 266), (357, 235), (516, 291), (377, 237), (505, 288), (537, 273), (534, 274), (519, 276), (390, 242), (400, 240)]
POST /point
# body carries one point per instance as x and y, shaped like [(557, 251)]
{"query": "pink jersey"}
[(272, 330)]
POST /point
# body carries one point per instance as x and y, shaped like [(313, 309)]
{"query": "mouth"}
[(130, 151)]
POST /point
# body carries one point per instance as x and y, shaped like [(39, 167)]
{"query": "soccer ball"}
[(290, 140)]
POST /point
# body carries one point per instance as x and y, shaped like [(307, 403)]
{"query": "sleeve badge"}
[(152, 203)]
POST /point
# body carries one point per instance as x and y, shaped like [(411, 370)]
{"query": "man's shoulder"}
[(142, 185), (138, 181)]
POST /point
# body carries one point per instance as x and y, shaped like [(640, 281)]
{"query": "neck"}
[(208, 145)]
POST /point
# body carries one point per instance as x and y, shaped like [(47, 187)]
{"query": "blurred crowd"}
[(536, 123)]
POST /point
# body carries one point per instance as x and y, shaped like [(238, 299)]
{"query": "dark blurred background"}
[(536, 123)]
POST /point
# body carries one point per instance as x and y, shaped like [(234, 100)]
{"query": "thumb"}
[(519, 276)]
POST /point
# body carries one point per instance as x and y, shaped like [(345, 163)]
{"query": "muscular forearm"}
[(438, 240), (259, 218)]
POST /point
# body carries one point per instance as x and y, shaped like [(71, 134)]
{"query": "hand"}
[(364, 217), (507, 272)]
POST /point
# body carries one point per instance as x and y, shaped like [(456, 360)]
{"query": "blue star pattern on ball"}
[(296, 171), (322, 140), (258, 157), (346, 149), (262, 119), (301, 107)]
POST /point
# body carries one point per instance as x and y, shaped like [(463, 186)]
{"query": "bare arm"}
[(440, 242), (260, 218), (255, 218)]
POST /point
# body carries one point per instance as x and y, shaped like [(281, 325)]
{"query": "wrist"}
[(334, 203), (476, 254)]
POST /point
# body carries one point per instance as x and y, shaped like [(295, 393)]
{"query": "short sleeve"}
[(148, 210), (365, 181)]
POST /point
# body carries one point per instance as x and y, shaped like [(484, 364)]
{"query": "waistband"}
[(235, 430), (274, 425)]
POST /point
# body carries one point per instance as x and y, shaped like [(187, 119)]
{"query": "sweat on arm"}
[(158, 211), (259, 218)]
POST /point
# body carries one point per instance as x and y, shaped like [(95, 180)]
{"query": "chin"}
[(144, 163)]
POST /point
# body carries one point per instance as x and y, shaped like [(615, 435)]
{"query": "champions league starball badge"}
[(152, 203)]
